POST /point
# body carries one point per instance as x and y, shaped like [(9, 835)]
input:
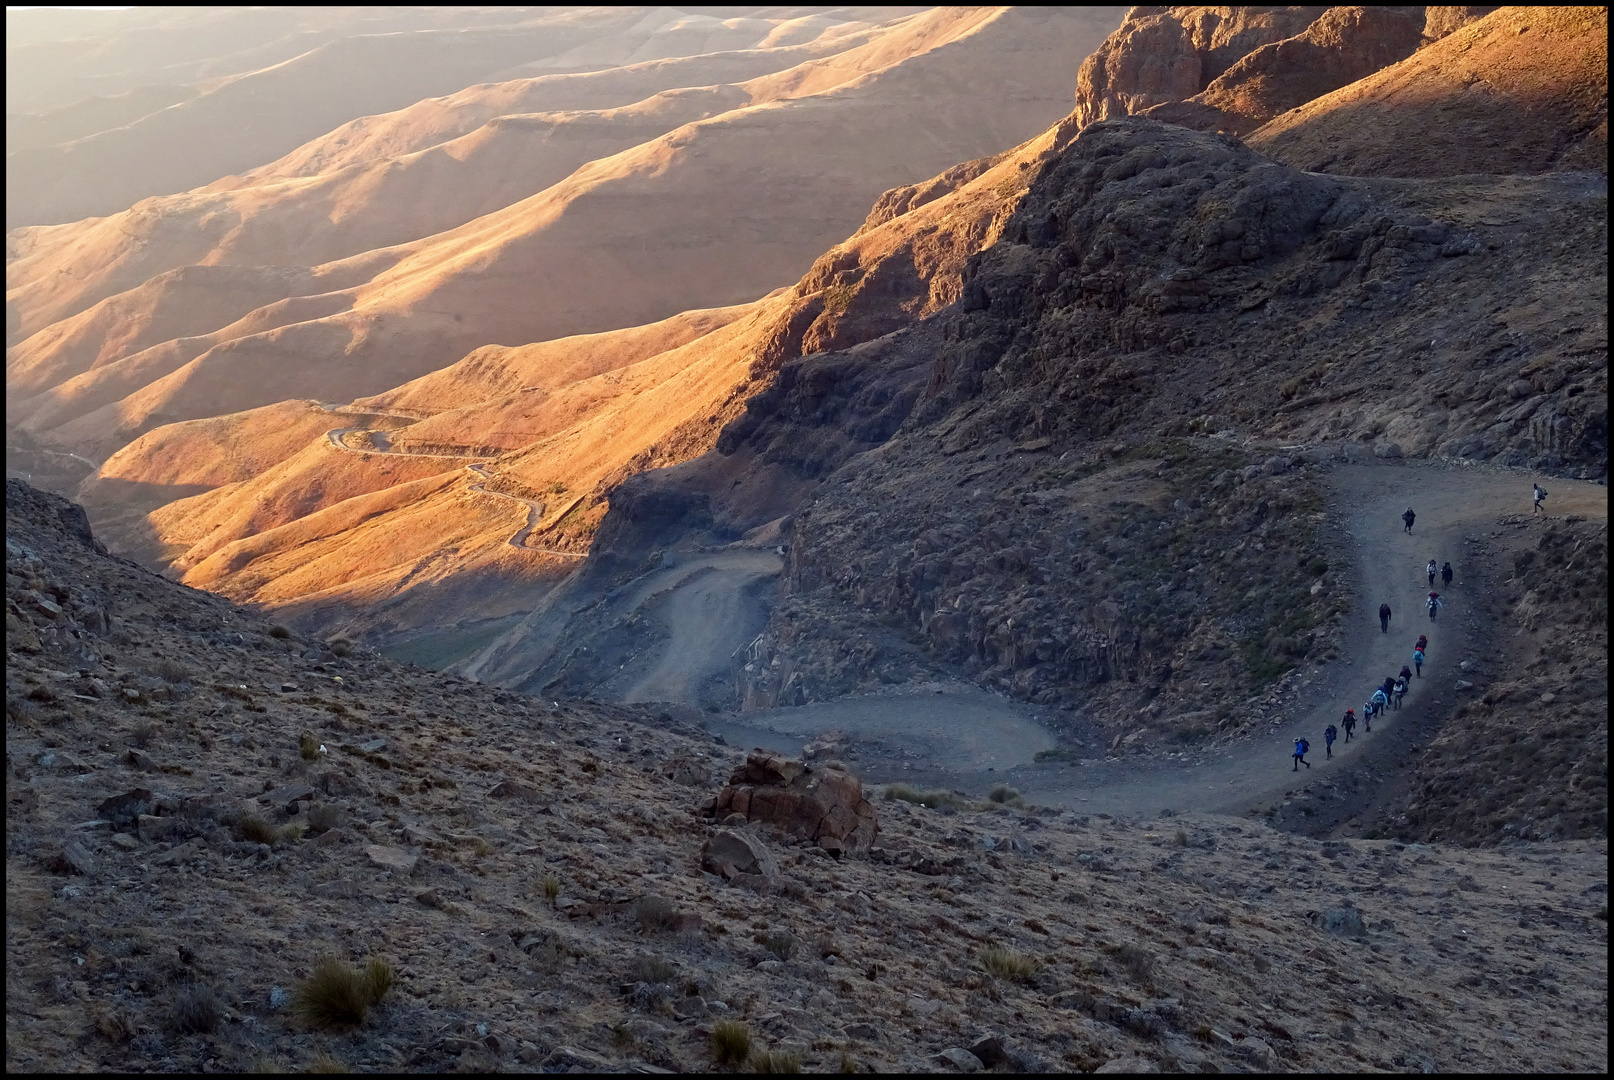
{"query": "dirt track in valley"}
[(970, 739)]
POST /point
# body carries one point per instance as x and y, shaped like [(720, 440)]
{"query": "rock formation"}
[(818, 803)]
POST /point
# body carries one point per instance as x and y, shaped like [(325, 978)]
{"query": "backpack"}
[(1305, 747), (1330, 733)]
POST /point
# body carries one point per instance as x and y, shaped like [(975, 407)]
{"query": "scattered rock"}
[(1256, 1052), (989, 1050), (571, 1059), (75, 858), (729, 854), (683, 769), (125, 841), (124, 810), (287, 797), (866, 1032), (57, 762), (1548, 698), (1462, 684), (139, 760), (960, 1059), (511, 789), (153, 829), (397, 860), (1126, 1065)]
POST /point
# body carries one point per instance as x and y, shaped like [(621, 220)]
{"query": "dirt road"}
[(971, 739)]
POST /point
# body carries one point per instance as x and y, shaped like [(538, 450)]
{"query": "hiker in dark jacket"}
[(1330, 733), (1349, 723), (1446, 575), (1409, 517), (1384, 618)]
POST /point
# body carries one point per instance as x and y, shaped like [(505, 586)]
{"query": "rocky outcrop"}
[(822, 804), (1169, 54)]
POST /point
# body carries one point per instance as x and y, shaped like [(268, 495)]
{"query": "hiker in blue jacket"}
[(1301, 747)]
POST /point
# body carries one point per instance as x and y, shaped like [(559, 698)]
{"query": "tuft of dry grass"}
[(775, 1061), (142, 734), (653, 912), (172, 671), (281, 632), (197, 1008), (782, 943), (551, 887), (308, 746), (339, 995), (341, 646), (935, 798), (1004, 795), (325, 1063), (731, 1042), (1007, 964)]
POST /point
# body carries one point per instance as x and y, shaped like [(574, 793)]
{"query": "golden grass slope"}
[(1523, 90), (709, 213)]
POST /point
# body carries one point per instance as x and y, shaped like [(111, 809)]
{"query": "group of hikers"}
[(1386, 695), (1394, 688)]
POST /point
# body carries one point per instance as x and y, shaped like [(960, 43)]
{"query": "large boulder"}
[(730, 854), (823, 804)]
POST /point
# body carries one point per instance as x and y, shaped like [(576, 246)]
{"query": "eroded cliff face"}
[(1233, 69)]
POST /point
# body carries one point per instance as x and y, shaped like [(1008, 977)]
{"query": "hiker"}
[(1400, 691), (1349, 723), (1381, 702), (1406, 675), (1434, 603), (1367, 716), (1423, 642), (1445, 575), (1330, 733), (1384, 618), (1540, 493), (1417, 661), (1301, 747), (1431, 570), (1409, 517), (1388, 685)]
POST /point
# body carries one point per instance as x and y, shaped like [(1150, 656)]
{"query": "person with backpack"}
[(1367, 716), (1406, 675), (1384, 618), (1431, 570), (1434, 603), (1301, 749), (1400, 691), (1330, 733), (1349, 723), (1423, 643), (1381, 702), (1417, 661), (1445, 575), (1409, 517), (1388, 685), (1540, 493)]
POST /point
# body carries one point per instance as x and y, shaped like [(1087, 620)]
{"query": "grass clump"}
[(1004, 795), (933, 798), (551, 887), (731, 1042), (339, 995), (649, 968), (142, 734), (281, 632), (782, 943), (1181, 839), (323, 817), (775, 1061), (341, 646), (172, 671), (325, 1063), (197, 1008), (1009, 965), (308, 746), (653, 912), (256, 829)]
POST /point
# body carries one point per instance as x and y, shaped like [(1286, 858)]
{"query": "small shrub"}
[(653, 912), (775, 1061), (143, 733), (341, 646), (308, 746), (323, 818), (481, 847), (848, 1063), (259, 831), (278, 631), (1005, 795), (338, 995), (731, 1042), (551, 887), (782, 943), (935, 799), (197, 1009), (649, 968), (1007, 964), (1181, 839), (172, 671), (1137, 961), (324, 1063)]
